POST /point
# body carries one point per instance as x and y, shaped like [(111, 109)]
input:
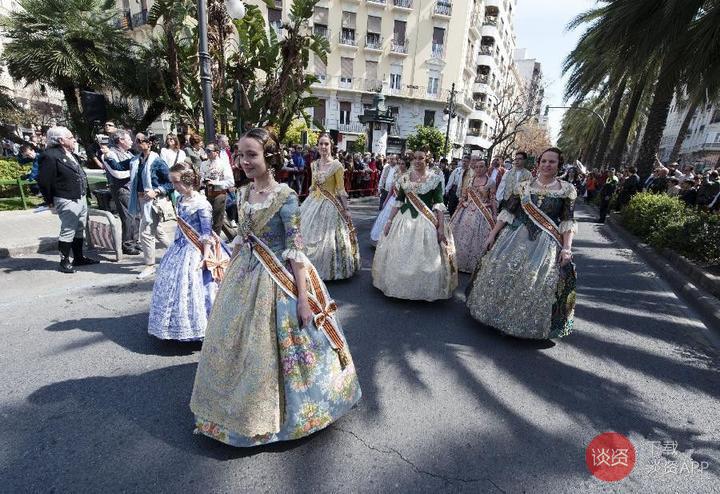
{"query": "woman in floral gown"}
[(329, 235), (474, 218), (525, 285), (183, 294), (274, 365), (381, 220), (414, 259)]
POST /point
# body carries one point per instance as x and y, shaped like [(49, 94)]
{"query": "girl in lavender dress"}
[(189, 273)]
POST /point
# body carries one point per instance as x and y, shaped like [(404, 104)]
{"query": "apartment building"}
[(701, 146), (530, 70)]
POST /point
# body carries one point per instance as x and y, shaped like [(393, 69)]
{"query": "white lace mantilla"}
[(430, 183), (193, 203), (322, 175), (566, 189), (247, 206)]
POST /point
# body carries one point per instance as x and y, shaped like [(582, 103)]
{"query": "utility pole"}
[(205, 73), (451, 113)]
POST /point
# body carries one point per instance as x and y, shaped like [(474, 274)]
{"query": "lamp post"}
[(451, 113), (581, 108), (236, 10)]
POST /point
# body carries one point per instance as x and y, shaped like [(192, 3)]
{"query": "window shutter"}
[(374, 24), (320, 16), (346, 67), (348, 20)]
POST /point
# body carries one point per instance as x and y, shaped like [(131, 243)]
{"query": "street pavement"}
[(90, 403)]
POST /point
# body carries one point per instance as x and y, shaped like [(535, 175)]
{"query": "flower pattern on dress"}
[(298, 355), (313, 417)]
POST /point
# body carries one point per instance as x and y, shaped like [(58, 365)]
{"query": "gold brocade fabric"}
[(410, 263), (331, 180)]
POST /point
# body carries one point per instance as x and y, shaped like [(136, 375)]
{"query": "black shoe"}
[(66, 266), (84, 261), (131, 251)]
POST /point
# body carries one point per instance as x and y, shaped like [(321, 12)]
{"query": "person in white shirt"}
[(387, 178), (453, 187), (217, 177), (518, 173), (224, 151), (171, 154)]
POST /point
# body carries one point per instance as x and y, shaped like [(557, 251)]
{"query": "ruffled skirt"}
[(410, 264), (381, 220), (470, 229), (182, 295), (520, 289), (328, 242), (261, 378)]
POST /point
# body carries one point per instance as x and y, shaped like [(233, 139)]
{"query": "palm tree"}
[(69, 45)]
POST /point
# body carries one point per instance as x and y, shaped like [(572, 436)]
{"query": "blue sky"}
[(540, 27)]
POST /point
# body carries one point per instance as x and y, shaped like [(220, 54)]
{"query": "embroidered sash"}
[(422, 208), (322, 306), (540, 219), (220, 258), (353, 232), (483, 209)]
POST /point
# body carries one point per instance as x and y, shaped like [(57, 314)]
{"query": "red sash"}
[(483, 209), (541, 220), (353, 232), (219, 260)]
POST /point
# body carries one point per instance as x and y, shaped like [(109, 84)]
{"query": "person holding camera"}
[(116, 160), (217, 177)]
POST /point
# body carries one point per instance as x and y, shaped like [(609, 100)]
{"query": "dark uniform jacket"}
[(60, 176)]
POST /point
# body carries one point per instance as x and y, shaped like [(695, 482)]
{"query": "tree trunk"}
[(657, 117), (610, 122), (621, 139), (154, 110), (173, 60), (683, 130), (80, 127)]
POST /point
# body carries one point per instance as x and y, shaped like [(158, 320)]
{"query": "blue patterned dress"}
[(262, 378), (183, 294)]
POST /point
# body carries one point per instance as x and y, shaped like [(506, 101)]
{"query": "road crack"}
[(392, 451)]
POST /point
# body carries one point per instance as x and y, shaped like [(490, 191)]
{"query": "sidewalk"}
[(28, 232)]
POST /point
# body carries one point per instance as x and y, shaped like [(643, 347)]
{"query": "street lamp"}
[(451, 113), (236, 10), (581, 108)]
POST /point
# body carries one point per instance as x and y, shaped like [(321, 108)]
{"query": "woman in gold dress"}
[(330, 239), (525, 285), (414, 259)]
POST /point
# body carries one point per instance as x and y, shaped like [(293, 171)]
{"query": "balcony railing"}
[(373, 41), (443, 7), (373, 85), (347, 39), (398, 45), (317, 123), (438, 50), (139, 18), (486, 50), (377, 1), (323, 31), (403, 4), (355, 127), (481, 79), (474, 132), (711, 146), (480, 105), (490, 21)]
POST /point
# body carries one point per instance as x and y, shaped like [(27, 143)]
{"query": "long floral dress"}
[(469, 225), (183, 294), (409, 262), (261, 377), (329, 243), (519, 287)]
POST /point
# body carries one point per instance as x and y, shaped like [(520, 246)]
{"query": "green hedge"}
[(10, 169), (666, 222)]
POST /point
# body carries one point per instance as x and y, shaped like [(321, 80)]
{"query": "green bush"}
[(10, 169), (666, 222)]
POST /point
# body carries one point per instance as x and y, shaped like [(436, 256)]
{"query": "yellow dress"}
[(329, 243)]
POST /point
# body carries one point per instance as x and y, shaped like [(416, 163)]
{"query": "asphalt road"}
[(89, 402)]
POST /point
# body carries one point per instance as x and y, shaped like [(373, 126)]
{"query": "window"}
[(371, 77), (438, 36), (433, 84), (395, 112), (320, 21), (319, 112), (275, 20), (347, 35), (373, 38), (399, 31), (396, 81), (320, 68), (346, 71), (429, 120), (345, 108)]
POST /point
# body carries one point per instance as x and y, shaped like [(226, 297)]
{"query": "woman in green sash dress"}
[(415, 255), (274, 364), (524, 285)]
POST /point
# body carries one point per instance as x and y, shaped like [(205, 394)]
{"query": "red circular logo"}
[(610, 456)]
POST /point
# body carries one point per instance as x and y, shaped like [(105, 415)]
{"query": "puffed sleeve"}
[(438, 202), (567, 215), (205, 216), (290, 215), (340, 182)]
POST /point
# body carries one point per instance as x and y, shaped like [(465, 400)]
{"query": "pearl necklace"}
[(264, 190)]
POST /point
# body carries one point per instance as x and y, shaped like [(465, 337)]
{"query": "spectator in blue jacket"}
[(297, 164)]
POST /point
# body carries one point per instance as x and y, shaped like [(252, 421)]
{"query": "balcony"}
[(318, 124), (373, 42), (443, 8), (352, 128), (372, 85), (139, 18), (347, 38), (403, 4), (399, 46), (489, 27), (490, 21), (482, 79), (438, 51), (711, 146), (486, 50), (321, 30)]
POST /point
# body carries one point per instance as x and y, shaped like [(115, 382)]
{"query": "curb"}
[(43, 245), (699, 289)]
